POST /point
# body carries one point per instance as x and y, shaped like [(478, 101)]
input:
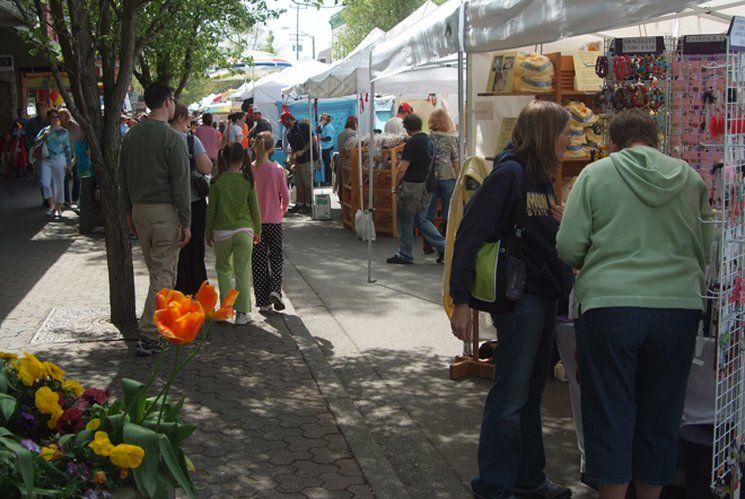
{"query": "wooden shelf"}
[(515, 94)]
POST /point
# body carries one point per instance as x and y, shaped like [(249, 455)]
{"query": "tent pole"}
[(470, 118), (370, 207), (312, 170), (359, 152), (461, 112)]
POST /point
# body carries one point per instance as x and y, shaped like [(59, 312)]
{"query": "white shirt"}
[(235, 134)]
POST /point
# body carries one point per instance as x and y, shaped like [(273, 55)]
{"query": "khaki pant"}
[(159, 232)]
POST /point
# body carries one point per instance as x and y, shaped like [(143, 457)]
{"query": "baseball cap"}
[(405, 107), (286, 116), (255, 109)]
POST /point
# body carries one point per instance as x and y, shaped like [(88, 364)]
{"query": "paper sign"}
[(585, 79), (505, 132), (484, 110), (640, 45), (736, 34), (704, 44), (6, 63)]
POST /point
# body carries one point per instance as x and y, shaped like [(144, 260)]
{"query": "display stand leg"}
[(470, 365)]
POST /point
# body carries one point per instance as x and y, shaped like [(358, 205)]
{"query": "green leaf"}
[(8, 406), (25, 464), (82, 438), (146, 475), (49, 467), (176, 466), (116, 422), (4, 382), (134, 399)]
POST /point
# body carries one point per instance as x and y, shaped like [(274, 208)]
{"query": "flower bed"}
[(59, 438)]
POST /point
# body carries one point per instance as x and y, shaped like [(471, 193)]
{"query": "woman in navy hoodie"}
[(519, 190)]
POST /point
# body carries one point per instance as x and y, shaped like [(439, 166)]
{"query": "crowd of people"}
[(634, 233)]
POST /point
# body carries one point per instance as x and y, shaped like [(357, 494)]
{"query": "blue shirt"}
[(327, 131)]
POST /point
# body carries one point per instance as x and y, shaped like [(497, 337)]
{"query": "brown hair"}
[(351, 122), (439, 121), (264, 144), (180, 113), (230, 155), (534, 138), (633, 126)]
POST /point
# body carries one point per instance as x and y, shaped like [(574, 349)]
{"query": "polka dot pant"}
[(267, 263)]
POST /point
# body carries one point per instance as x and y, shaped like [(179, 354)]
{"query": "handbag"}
[(198, 181), (431, 177)]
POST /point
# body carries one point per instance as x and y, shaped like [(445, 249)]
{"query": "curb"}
[(379, 472)]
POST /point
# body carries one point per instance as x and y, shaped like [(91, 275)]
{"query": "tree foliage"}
[(362, 16), (191, 42)]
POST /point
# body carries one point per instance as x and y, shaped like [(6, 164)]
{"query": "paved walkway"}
[(266, 429)]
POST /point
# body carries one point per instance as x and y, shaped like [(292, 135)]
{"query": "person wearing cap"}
[(123, 126), (299, 138), (395, 125), (260, 124)]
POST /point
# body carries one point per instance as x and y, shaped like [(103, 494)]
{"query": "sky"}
[(313, 22)]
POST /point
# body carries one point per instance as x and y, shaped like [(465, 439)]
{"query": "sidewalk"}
[(265, 427)]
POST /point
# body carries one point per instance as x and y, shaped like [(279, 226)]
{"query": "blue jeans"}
[(429, 232), (633, 365), (511, 443), (444, 191)]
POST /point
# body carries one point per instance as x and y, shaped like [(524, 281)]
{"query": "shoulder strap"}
[(190, 142)]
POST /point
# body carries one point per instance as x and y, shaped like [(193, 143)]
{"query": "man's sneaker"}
[(549, 490), (265, 309), (241, 318), (277, 301), (148, 346), (440, 257), (395, 259)]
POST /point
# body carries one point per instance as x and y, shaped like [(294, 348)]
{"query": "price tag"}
[(640, 45)]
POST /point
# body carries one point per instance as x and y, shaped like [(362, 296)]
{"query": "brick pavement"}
[(265, 428)]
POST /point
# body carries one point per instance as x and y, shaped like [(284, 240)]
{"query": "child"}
[(233, 224), (274, 197)]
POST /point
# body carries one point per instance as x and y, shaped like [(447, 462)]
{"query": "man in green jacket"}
[(155, 191), (634, 229)]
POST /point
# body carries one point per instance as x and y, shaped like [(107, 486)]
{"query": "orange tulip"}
[(166, 296), (180, 322), (207, 297)]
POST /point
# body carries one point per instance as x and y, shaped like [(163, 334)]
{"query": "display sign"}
[(6, 63), (736, 34), (640, 45), (505, 132), (501, 73), (585, 78), (704, 44), (44, 81)]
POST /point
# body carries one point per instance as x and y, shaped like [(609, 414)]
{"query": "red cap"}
[(406, 107), (285, 116)]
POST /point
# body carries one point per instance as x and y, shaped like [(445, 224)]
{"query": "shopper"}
[(326, 133), (209, 137), (234, 132), (191, 272), (234, 225), (260, 124), (395, 125), (155, 192), (511, 456), (72, 180), (350, 130), (56, 162), (16, 147), (33, 127), (412, 201), (446, 167), (299, 139), (634, 229), (274, 197)]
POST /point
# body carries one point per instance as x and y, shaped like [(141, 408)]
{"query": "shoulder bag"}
[(500, 274), (198, 181)]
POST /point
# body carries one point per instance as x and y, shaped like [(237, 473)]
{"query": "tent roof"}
[(274, 83), (490, 25)]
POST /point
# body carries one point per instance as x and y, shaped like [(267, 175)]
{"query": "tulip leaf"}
[(134, 399), (146, 475), (82, 438), (24, 463), (176, 466), (4, 383), (117, 426), (8, 406)]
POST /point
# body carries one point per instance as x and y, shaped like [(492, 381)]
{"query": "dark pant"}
[(266, 263), (511, 443), (633, 367), (326, 155), (191, 270), (72, 186)]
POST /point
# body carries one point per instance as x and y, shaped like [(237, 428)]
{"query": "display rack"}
[(729, 424)]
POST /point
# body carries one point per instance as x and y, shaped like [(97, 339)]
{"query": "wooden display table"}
[(471, 365)]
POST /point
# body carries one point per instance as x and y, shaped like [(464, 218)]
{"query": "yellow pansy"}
[(53, 371), (127, 456), (52, 423), (46, 400), (99, 477), (8, 356), (73, 386), (101, 444), (50, 453), (30, 369), (93, 424)]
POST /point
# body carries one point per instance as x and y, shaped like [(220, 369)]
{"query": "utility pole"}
[(297, 32)]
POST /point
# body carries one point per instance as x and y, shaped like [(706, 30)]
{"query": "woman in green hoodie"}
[(633, 228)]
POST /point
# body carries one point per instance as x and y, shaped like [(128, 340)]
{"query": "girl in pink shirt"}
[(274, 196)]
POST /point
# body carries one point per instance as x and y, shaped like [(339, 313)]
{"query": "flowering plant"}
[(59, 438)]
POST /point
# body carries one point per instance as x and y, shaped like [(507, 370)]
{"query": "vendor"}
[(395, 125)]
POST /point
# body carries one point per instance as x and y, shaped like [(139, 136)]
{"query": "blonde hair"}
[(534, 138), (264, 145), (439, 121)]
